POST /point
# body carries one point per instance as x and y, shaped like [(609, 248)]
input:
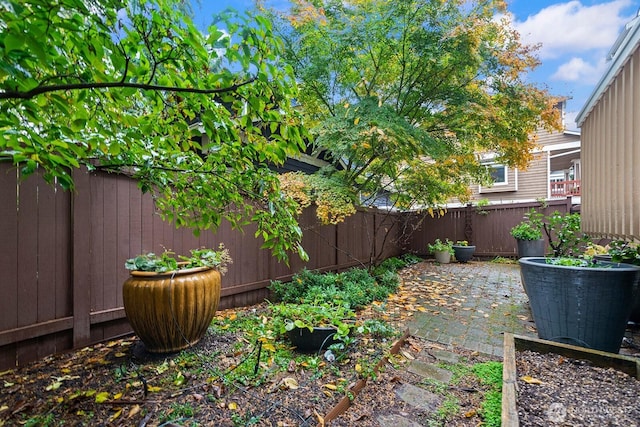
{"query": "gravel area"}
[(558, 391)]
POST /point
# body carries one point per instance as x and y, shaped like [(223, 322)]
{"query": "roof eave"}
[(626, 49)]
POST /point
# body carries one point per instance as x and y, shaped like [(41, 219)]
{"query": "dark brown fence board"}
[(8, 245), (27, 265), (82, 259), (123, 248), (28, 254), (97, 215), (62, 255)]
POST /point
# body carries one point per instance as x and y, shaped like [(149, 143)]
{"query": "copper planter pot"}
[(171, 311)]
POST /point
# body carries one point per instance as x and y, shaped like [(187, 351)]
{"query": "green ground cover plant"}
[(354, 288), (490, 374)]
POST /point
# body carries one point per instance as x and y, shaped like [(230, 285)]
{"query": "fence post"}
[(468, 223), (81, 258)]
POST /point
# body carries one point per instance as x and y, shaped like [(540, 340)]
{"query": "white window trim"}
[(506, 173)]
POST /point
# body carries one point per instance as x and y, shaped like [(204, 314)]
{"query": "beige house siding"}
[(533, 183), (610, 123)]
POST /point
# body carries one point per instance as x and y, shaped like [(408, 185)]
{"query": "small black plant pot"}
[(463, 253), (307, 341)]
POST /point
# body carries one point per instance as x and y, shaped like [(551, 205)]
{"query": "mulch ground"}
[(119, 384)]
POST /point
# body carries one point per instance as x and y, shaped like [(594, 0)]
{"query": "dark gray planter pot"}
[(307, 341), (635, 311), (463, 253), (529, 248), (582, 306)]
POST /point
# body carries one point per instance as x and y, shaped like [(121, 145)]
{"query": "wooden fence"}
[(63, 258), (63, 255), (488, 227)]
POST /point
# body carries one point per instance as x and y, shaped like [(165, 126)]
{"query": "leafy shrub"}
[(565, 235), (289, 291), (377, 329), (563, 231), (389, 281), (626, 252), (530, 228), (526, 231), (440, 246), (410, 259), (391, 264), (355, 288), (320, 294)]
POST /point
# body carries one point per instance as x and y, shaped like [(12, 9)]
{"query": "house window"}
[(498, 174)]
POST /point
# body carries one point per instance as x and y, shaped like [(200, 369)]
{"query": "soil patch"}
[(554, 390)]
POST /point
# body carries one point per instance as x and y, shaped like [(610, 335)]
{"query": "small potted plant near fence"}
[(575, 300), (463, 251), (442, 251), (528, 235), (171, 301)]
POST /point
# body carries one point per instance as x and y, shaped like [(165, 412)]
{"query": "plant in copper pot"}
[(170, 301)]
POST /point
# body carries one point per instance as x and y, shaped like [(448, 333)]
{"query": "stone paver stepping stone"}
[(418, 397), (395, 421), (428, 370)]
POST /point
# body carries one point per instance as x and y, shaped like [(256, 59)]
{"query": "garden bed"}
[(227, 379), (547, 383)]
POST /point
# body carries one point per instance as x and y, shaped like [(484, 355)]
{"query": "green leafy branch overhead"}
[(134, 86)]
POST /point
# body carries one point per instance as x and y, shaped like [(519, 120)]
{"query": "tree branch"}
[(15, 94)]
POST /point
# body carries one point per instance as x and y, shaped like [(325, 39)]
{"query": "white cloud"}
[(573, 28), (580, 71)]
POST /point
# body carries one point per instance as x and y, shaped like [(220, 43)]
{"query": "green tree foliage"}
[(404, 94), (130, 86)]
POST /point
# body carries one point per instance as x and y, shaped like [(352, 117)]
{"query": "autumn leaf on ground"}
[(101, 397), (134, 411), (116, 414), (290, 383), (407, 355), (530, 380), (319, 417)]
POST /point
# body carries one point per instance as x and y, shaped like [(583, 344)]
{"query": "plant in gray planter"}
[(442, 251), (528, 235), (580, 302), (463, 251)]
